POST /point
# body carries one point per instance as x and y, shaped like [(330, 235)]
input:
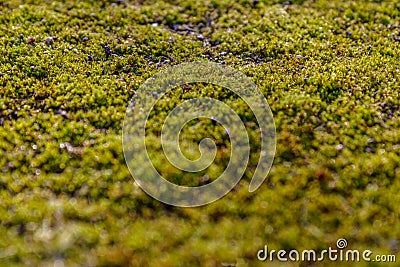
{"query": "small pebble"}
[(369, 150), (394, 244), (107, 50), (209, 22), (90, 58), (49, 40), (63, 113), (21, 229), (30, 40), (120, 2), (203, 180), (11, 166)]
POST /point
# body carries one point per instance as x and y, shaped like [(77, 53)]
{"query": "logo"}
[(147, 97)]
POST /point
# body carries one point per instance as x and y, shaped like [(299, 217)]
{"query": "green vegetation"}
[(68, 69)]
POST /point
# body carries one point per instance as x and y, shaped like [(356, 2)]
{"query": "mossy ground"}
[(329, 69)]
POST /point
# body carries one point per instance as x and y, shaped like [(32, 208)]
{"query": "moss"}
[(68, 70)]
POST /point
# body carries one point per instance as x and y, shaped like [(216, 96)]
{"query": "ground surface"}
[(329, 70)]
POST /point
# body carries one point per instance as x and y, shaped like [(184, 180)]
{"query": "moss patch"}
[(329, 70)]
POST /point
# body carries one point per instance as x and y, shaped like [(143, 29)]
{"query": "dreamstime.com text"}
[(331, 254)]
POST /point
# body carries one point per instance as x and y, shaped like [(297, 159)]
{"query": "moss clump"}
[(329, 70)]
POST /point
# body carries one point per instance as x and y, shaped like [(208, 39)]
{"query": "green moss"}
[(329, 70)]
